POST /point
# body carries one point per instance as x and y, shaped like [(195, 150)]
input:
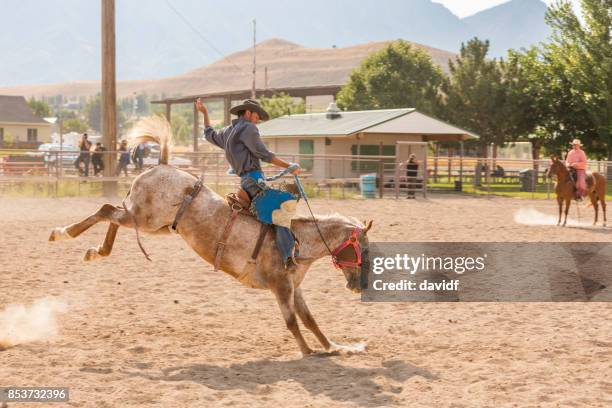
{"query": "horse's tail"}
[(153, 129)]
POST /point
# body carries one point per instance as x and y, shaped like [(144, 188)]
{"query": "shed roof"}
[(398, 121), (317, 124), (15, 109), (419, 123)]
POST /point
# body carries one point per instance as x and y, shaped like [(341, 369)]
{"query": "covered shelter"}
[(229, 98)]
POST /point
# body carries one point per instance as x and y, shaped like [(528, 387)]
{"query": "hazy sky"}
[(464, 8)]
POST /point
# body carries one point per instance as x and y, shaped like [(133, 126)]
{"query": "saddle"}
[(590, 180), (240, 200)]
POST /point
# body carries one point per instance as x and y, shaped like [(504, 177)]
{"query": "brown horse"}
[(566, 190)]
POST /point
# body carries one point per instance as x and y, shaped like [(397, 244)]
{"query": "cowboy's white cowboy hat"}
[(576, 142)]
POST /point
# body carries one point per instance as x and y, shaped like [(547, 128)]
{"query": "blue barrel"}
[(367, 184)]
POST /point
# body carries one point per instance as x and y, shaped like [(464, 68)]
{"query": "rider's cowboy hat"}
[(253, 106), (576, 142)]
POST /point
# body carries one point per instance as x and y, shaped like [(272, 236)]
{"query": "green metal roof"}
[(317, 124)]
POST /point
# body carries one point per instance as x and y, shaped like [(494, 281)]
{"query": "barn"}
[(340, 136), (19, 127)]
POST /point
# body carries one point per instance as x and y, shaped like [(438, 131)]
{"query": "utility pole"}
[(109, 95), (254, 57)]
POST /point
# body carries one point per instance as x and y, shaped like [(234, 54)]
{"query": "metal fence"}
[(56, 173)]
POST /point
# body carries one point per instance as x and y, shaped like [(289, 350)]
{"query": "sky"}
[(464, 8)]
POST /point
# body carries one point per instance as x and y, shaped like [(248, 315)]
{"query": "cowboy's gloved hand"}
[(294, 168)]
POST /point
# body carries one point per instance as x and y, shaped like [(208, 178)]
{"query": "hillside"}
[(288, 64)]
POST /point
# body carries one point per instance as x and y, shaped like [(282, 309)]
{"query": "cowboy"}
[(577, 160), (244, 150)]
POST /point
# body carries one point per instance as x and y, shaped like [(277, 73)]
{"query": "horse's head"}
[(555, 167), (353, 257)]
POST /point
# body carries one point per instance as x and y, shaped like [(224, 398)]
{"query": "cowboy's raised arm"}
[(251, 139), (210, 134)]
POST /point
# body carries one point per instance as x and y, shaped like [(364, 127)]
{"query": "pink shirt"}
[(576, 158)]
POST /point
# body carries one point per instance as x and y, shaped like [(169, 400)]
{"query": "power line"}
[(199, 34)]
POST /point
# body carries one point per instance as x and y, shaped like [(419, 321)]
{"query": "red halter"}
[(352, 241)]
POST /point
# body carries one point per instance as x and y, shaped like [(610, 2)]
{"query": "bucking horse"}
[(155, 197)]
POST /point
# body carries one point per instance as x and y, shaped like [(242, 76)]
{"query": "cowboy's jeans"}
[(285, 241)]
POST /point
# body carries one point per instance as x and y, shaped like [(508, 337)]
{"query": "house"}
[(338, 135), (19, 127)]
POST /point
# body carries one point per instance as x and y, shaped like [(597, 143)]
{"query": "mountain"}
[(499, 25), (57, 41), (287, 65)]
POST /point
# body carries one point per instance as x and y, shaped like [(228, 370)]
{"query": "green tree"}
[(476, 95), (40, 108), (74, 125), (528, 98), (182, 127), (580, 53), (93, 113), (398, 76), (282, 104)]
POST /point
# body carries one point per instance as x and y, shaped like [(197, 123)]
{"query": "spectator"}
[(138, 156), (97, 158), (124, 158), (84, 147), (412, 170), (499, 171)]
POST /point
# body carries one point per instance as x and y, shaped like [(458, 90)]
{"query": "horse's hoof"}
[(59, 234), (321, 353), (309, 352), (347, 348), (91, 255)]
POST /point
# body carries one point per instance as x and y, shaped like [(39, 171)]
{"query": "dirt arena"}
[(173, 333)]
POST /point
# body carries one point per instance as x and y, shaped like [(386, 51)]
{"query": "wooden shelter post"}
[(227, 105), (196, 135)]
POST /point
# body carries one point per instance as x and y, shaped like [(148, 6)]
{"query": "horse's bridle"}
[(352, 241)]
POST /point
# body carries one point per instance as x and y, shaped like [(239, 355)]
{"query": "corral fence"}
[(55, 173)]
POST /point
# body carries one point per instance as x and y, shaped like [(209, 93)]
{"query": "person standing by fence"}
[(412, 171), (139, 155), (124, 158), (97, 158), (84, 147)]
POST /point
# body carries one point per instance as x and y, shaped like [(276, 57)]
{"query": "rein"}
[(352, 241)]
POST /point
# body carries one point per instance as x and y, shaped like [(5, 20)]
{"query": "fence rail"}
[(330, 175)]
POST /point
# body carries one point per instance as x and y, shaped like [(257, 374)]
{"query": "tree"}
[(398, 76), (528, 98), (282, 104), (476, 95), (182, 125), (74, 125), (581, 55), (40, 108), (93, 113)]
